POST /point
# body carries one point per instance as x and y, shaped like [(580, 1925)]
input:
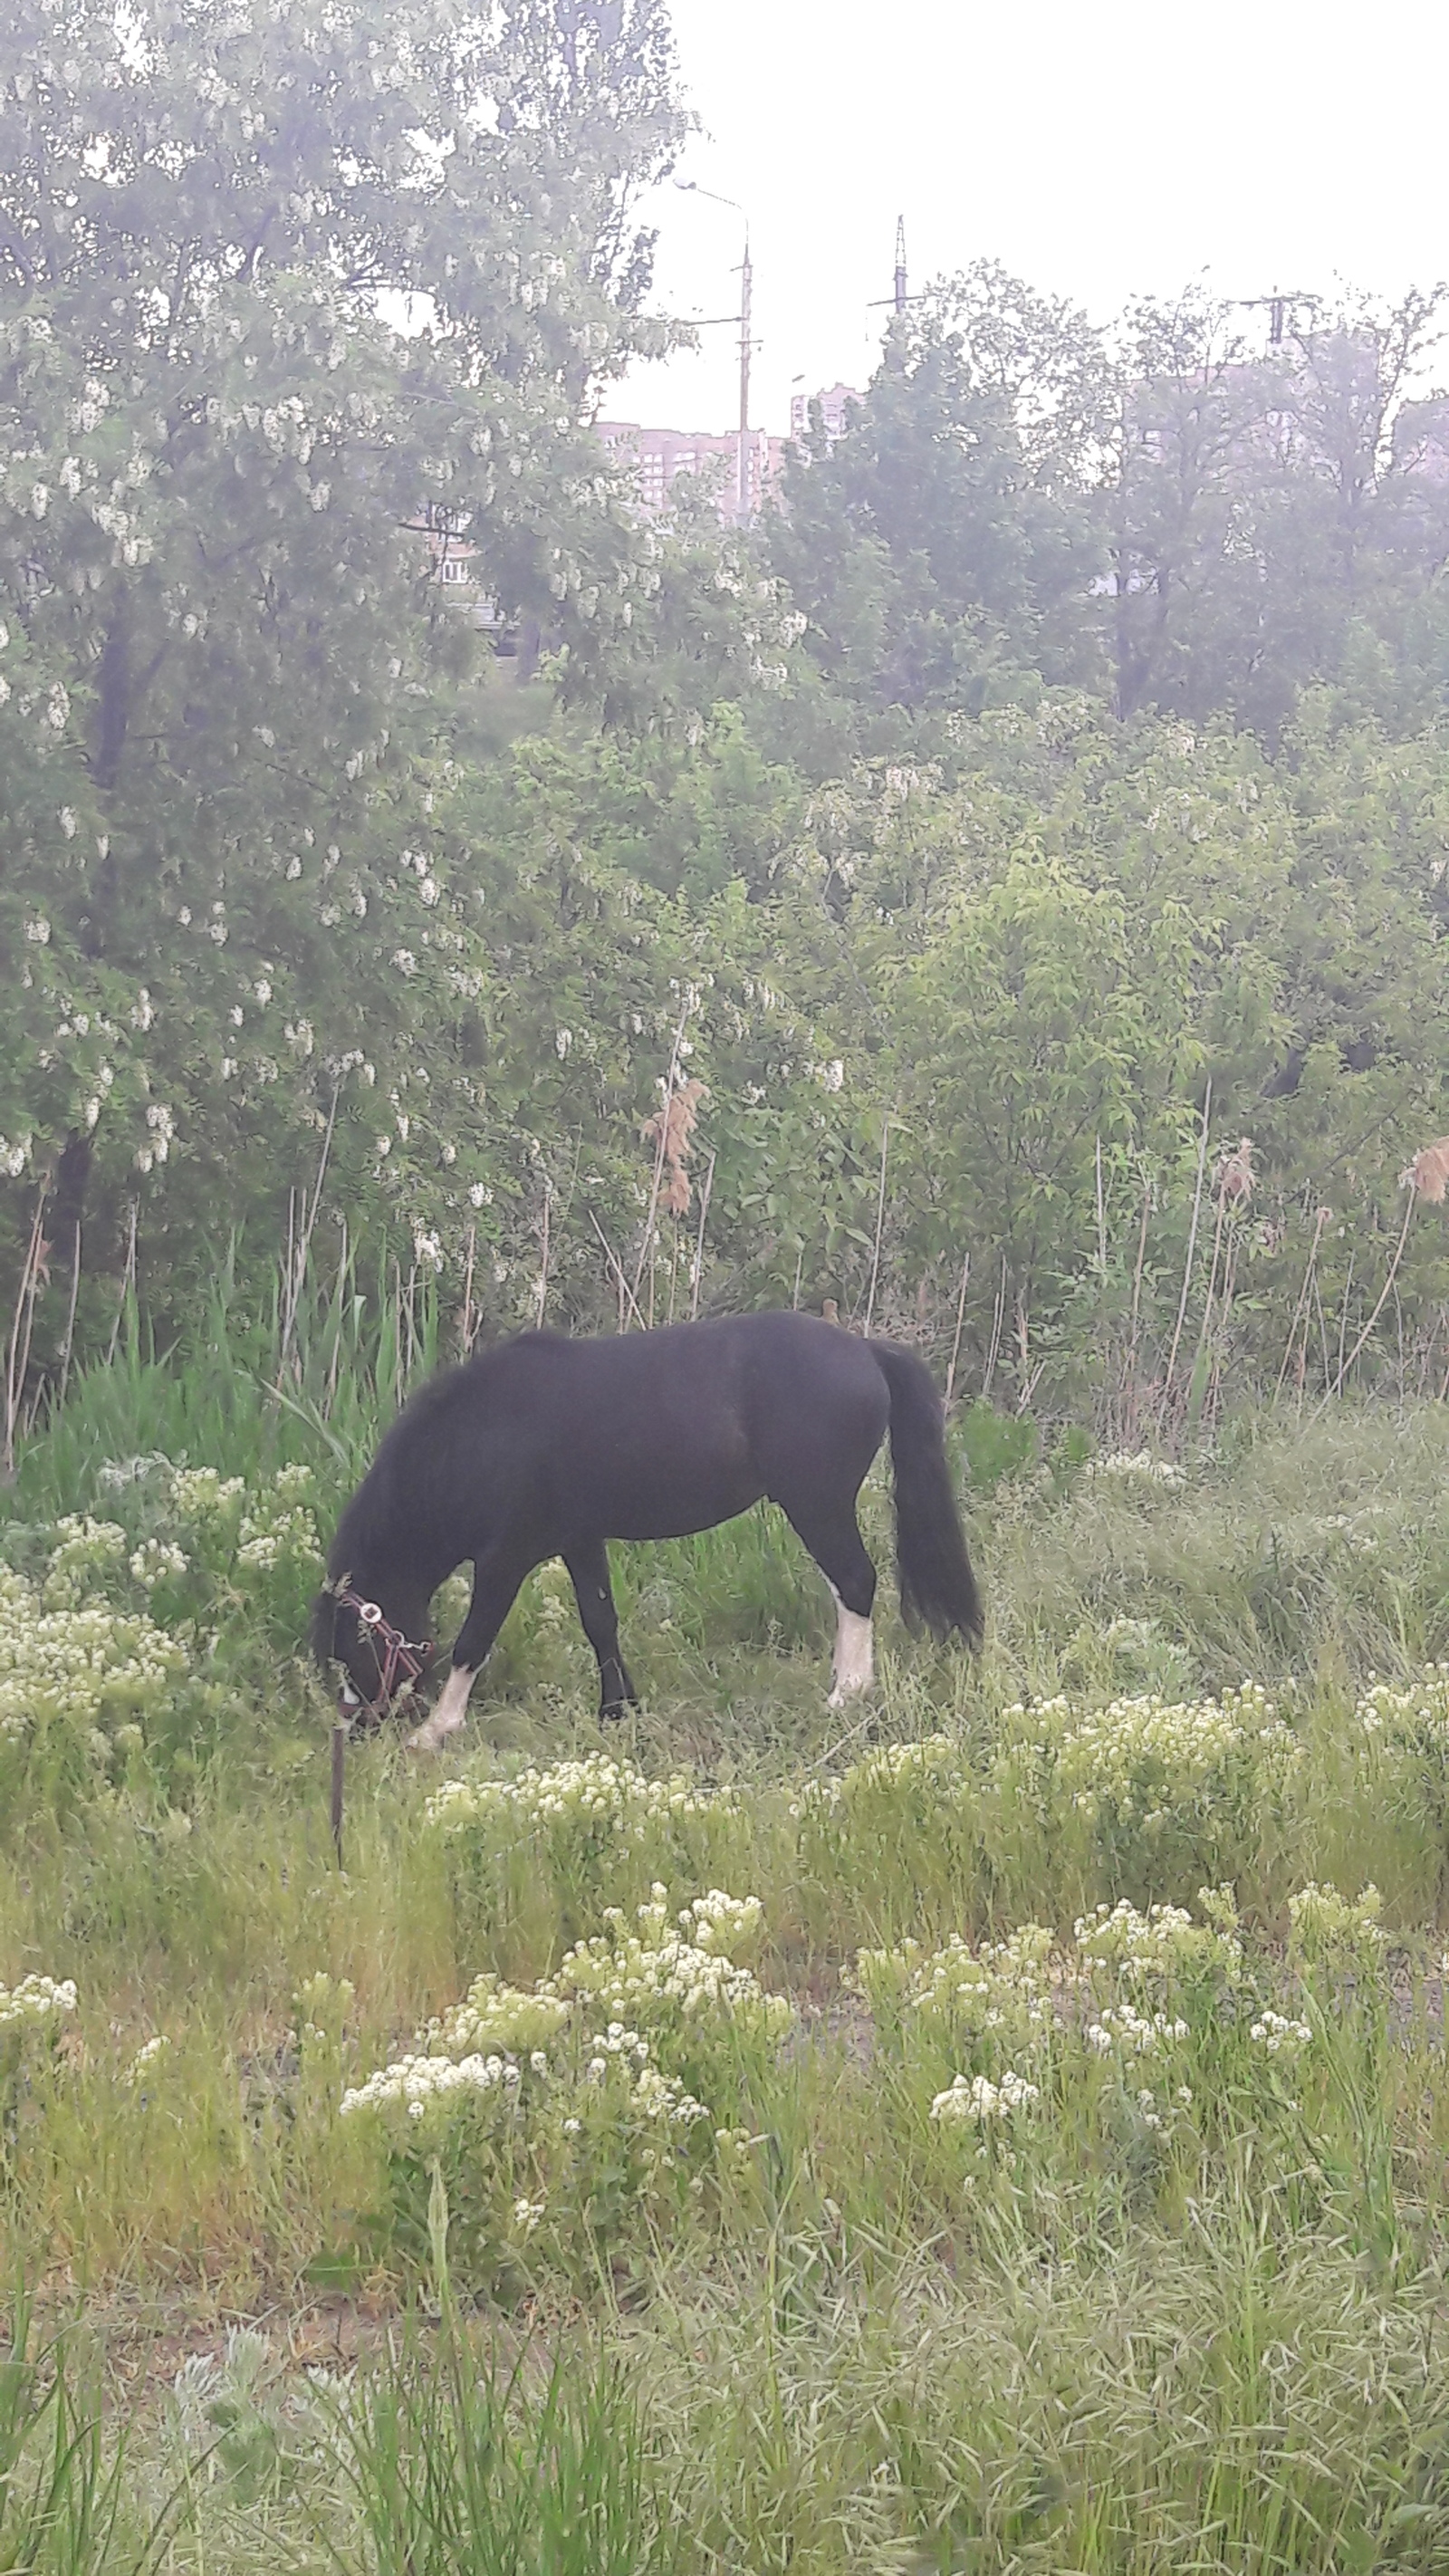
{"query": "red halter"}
[(397, 1661)]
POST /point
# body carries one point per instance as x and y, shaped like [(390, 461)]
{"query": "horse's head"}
[(380, 1663)]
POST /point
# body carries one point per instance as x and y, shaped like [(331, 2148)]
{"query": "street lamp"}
[(692, 188)]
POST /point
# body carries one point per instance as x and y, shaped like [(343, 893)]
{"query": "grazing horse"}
[(544, 1447)]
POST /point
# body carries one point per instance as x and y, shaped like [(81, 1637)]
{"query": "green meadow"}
[(1003, 2125)]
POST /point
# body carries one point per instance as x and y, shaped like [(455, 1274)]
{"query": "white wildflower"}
[(1279, 2035), (976, 2098)]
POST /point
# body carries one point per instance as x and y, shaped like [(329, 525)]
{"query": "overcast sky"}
[(1095, 152)]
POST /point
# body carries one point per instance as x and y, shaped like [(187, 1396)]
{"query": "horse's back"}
[(633, 1435), (650, 1435), (817, 1405)]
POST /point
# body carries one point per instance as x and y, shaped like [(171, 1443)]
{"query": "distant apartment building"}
[(657, 457), (834, 405)]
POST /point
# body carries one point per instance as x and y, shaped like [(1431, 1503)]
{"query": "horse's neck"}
[(405, 1566)]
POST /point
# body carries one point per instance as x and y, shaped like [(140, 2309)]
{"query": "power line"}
[(1279, 308)]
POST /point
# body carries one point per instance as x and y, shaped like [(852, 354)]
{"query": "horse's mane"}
[(368, 1528), (369, 1521)]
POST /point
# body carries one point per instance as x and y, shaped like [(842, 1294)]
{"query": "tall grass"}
[(69, 2504), (456, 2460), (314, 1374), (1224, 2404)]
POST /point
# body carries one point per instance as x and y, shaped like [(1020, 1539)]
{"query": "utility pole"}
[(747, 277), (692, 188), (1280, 308), (897, 301)]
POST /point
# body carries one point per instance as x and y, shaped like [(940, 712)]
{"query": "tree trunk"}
[(68, 1195)]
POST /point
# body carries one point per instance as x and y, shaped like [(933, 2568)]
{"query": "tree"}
[(1265, 513), (227, 683), (942, 544)]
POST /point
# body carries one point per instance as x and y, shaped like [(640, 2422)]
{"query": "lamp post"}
[(691, 187)]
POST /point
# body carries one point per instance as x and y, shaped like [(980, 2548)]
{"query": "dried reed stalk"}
[(35, 1271), (543, 1253), (1191, 1248), (1343, 1317), (298, 1253), (1232, 1189), (1213, 1396), (658, 1126), (1301, 1309), (1424, 1178), (465, 1321), (885, 1139), (672, 1126), (1129, 1416), (960, 1320), (1322, 1330), (68, 1342), (1028, 1378), (997, 1319), (1212, 1290), (627, 1297), (705, 1195), (128, 1283), (334, 1364)]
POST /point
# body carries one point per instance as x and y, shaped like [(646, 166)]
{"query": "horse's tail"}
[(937, 1587)]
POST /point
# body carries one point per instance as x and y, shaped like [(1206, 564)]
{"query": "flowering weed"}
[(535, 1859), (564, 2118)]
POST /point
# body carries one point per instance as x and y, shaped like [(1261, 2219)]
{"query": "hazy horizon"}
[(1094, 161)]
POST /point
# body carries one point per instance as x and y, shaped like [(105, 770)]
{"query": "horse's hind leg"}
[(495, 1588), (831, 1533), (588, 1567)]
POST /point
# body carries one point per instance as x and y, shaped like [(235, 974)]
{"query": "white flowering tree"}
[(228, 687)]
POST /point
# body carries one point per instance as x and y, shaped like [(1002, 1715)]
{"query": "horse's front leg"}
[(588, 1567), (495, 1589)]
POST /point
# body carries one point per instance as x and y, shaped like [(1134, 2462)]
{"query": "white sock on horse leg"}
[(449, 1714), (854, 1661)]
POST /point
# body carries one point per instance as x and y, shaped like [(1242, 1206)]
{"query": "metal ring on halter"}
[(369, 1613)]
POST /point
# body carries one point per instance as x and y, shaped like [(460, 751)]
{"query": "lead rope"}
[(340, 1732), (399, 1657)]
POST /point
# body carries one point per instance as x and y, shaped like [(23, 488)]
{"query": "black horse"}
[(545, 1447)]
